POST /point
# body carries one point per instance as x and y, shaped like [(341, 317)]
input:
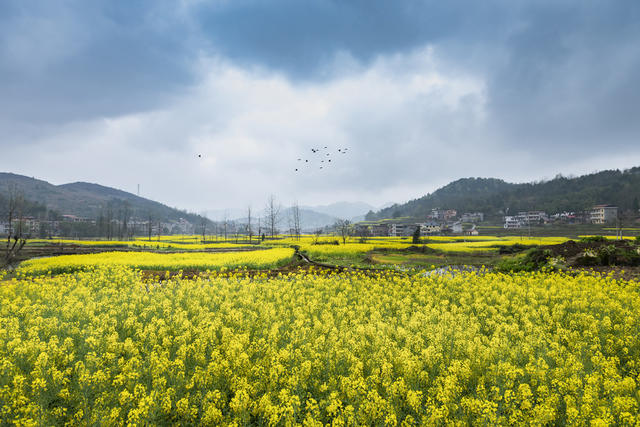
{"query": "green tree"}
[(416, 235)]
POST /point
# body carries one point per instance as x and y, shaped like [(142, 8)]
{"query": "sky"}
[(208, 105)]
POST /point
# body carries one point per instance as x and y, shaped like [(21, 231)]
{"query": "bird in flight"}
[(324, 161)]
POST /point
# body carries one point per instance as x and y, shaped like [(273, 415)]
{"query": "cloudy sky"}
[(421, 92)]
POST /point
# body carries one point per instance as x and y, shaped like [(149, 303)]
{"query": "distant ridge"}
[(494, 196), (85, 199)]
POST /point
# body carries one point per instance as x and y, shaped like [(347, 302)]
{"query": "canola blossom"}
[(493, 245), (105, 347), (187, 245), (323, 247), (157, 261)]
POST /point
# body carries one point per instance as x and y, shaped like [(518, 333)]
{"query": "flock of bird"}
[(317, 159)]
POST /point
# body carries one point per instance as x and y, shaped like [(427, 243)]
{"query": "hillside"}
[(494, 196), (86, 200)]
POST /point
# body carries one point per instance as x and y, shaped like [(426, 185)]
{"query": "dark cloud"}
[(298, 38), (423, 91), (570, 76), (76, 60)]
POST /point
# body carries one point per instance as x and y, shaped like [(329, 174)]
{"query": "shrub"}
[(533, 259), (593, 239)]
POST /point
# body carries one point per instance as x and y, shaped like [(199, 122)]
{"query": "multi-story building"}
[(380, 229), (72, 218), (402, 229), (427, 228), (443, 214), (472, 217), (536, 217), (602, 214), (512, 222)]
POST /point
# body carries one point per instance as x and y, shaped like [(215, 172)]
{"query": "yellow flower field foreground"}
[(102, 347), (269, 258)]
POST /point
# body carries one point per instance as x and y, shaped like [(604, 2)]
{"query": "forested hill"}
[(494, 196), (85, 200)]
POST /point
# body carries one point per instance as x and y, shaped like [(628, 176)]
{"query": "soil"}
[(572, 251)]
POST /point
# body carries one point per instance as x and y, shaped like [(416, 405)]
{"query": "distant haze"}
[(208, 105)]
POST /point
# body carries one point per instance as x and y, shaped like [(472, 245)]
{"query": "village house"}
[(512, 222), (602, 214), (399, 230), (443, 214), (524, 219), (472, 217), (72, 218), (380, 230), (427, 228)]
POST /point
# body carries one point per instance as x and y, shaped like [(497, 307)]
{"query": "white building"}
[(472, 217), (512, 222), (427, 228), (398, 230), (602, 214)]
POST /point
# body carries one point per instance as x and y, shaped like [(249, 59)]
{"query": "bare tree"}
[(249, 230), (109, 220), (15, 206), (203, 225), (225, 224), (343, 226), (150, 226), (316, 235), (295, 216), (236, 231), (273, 215), (126, 217), (259, 227)]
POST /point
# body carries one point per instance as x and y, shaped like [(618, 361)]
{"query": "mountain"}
[(86, 200), (344, 210), (494, 196), (309, 220)]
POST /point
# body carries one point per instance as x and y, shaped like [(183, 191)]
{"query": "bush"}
[(532, 260), (607, 255), (593, 239), (327, 242), (512, 249)]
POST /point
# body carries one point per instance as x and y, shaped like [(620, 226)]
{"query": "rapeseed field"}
[(258, 259), (104, 346)]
